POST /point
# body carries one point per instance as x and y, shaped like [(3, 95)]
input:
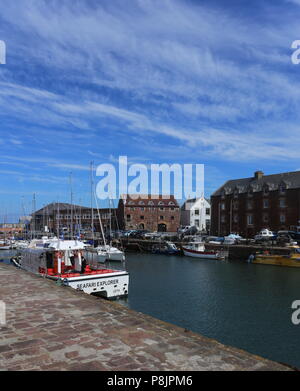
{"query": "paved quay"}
[(51, 327)]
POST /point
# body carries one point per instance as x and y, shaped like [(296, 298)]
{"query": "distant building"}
[(245, 206), (196, 212), (11, 228), (152, 213), (67, 217)]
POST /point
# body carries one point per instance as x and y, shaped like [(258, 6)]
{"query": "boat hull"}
[(200, 254), (109, 286), (277, 260)]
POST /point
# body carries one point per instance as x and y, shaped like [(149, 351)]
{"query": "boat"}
[(165, 248), (103, 254), (4, 245), (63, 262), (197, 250), (266, 258)]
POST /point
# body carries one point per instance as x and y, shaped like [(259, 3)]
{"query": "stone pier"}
[(52, 327)]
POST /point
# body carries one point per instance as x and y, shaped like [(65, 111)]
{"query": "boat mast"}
[(58, 217), (33, 213), (92, 190), (71, 186)]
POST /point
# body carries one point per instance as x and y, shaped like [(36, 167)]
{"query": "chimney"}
[(258, 175)]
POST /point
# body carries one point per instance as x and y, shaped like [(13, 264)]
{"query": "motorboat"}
[(165, 248), (63, 261), (197, 250), (103, 254), (268, 258)]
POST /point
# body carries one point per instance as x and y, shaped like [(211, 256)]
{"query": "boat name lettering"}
[(96, 284)]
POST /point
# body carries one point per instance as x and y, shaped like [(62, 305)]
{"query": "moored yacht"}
[(63, 261), (103, 254)]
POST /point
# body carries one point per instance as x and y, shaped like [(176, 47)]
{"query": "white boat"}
[(4, 245), (63, 261), (197, 250), (102, 254)]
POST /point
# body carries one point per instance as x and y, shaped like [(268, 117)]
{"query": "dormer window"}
[(171, 203), (130, 203), (161, 203), (266, 190), (151, 203), (141, 203), (282, 188)]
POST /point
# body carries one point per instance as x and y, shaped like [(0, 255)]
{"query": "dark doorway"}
[(162, 228)]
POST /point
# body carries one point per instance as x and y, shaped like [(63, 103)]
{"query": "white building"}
[(196, 212)]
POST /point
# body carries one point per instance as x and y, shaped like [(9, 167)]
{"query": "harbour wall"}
[(51, 327)]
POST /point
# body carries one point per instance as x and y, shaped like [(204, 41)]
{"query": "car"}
[(138, 234), (232, 239), (265, 235), (188, 230)]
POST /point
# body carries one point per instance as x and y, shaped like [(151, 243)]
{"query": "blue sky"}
[(174, 81)]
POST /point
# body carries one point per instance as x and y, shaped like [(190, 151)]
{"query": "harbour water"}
[(243, 305)]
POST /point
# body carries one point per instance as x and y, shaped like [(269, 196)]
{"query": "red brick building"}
[(245, 206), (152, 213)]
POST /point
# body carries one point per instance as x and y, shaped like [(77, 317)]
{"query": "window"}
[(161, 217), (235, 205), (172, 218), (265, 204), (282, 203), (207, 212), (142, 209), (128, 217), (197, 223), (265, 218), (249, 204), (197, 212), (282, 218), (151, 203), (266, 190), (142, 217), (282, 189), (161, 208), (171, 203), (161, 203), (141, 203), (223, 219), (223, 206), (250, 220), (235, 193), (132, 208), (236, 218)]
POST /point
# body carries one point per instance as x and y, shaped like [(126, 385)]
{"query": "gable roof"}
[(291, 180)]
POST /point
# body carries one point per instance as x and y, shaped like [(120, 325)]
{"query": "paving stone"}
[(57, 328)]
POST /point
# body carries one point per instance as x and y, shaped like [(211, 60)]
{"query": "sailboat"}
[(105, 252)]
